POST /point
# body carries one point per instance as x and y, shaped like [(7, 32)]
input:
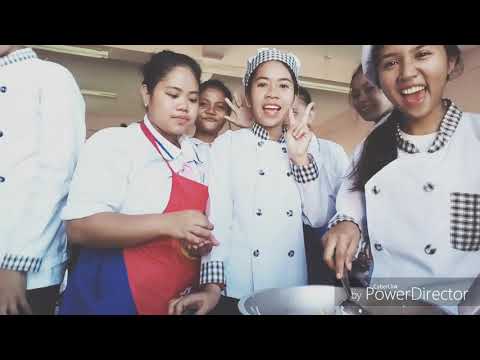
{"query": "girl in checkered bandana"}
[(259, 179), (413, 175)]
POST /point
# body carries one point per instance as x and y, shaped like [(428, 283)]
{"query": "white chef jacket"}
[(42, 127), (424, 207), (257, 205)]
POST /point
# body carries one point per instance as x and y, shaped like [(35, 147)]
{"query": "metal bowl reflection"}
[(324, 300)]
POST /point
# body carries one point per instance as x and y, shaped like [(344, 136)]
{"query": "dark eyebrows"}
[(174, 88), (266, 78), (394, 54)]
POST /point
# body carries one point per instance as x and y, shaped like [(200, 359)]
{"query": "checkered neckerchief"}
[(262, 133)]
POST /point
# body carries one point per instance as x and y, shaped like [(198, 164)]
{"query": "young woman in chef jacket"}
[(42, 128), (259, 180), (414, 183), (138, 200)]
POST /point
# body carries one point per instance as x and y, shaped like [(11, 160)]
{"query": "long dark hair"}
[(380, 147)]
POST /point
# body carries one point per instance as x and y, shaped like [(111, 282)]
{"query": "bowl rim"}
[(241, 303)]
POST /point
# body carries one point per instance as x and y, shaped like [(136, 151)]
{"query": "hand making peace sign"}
[(299, 136)]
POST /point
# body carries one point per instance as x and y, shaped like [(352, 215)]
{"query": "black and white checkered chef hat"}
[(269, 54)]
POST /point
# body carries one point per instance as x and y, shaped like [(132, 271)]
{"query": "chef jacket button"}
[(289, 213), (289, 173), (260, 143), (429, 250), (1, 133), (428, 187), (378, 247), (2, 179), (261, 172), (376, 190), (256, 253), (291, 253), (3, 89), (284, 149), (259, 212)]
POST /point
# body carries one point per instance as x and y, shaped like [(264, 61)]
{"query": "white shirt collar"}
[(169, 150)]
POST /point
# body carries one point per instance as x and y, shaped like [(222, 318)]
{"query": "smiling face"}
[(413, 77), (368, 100), (173, 106), (271, 94), (212, 111)]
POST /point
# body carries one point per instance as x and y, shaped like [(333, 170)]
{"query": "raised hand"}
[(241, 115), (299, 136)]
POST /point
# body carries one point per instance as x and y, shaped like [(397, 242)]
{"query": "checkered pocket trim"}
[(305, 174), (212, 272), (465, 221), (21, 263)]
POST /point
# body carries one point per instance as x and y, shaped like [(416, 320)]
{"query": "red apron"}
[(160, 270)]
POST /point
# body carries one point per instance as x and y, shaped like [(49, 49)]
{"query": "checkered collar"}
[(262, 133), (447, 129), (17, 56)]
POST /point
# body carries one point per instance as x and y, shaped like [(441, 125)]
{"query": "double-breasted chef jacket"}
[(257, 205), (422, 210), (42, 127)]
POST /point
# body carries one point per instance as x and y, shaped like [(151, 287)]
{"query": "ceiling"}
[(111, 83)]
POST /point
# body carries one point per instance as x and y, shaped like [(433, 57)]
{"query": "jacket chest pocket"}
[(465, 221)]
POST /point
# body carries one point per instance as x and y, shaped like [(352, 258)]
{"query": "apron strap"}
[(152, 139)]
